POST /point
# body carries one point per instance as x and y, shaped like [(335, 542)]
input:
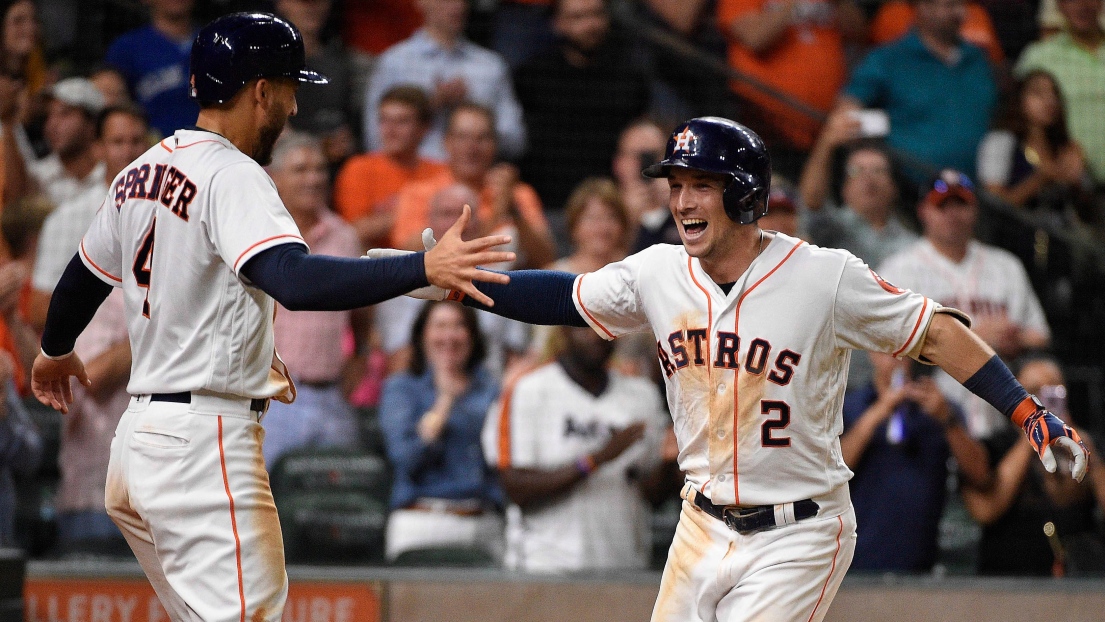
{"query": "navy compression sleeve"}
[(77, 296), (303, 282), (533, 297)]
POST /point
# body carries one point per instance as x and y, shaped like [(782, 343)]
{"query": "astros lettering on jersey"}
[(756, 378)]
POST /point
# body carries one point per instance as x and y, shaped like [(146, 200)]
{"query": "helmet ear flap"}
[(745, 200)]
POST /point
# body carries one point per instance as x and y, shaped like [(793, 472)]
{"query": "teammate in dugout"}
[(195, 234), (754, 330)]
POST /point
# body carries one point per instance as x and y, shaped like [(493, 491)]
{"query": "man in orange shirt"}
[(795, 46), (896, 17), (366, 187), (505, 202)]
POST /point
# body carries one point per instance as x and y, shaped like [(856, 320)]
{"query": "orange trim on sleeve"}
[(206, 140), (579, 299), (1023, 411), (924, 307), (832, 569), (162, 143), (253, 246), (233, 522), (101, 270)]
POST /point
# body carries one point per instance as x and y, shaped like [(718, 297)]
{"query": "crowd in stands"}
[(892, 126)]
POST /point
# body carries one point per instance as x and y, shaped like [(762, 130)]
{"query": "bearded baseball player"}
[(754, 330), (195, 234)]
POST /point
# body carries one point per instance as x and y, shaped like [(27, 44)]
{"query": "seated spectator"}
[(949, 266), (895, 18), (86, 434), (122, 134), (154, 60), (1032, 162), (937, 89), (20, 448), (646, 199), (506, 340), (854, 210), (111, 85), (794, 46), (1076, 58), (367, 185), (577, 447), (898, 435), (452, 70), (1025, 497), (20, 224), (1051, 21), (577, 97), (505, 202), (324, 111), (310, 342), (72, 168), (443, 493)]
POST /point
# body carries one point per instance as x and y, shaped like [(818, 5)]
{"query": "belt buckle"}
[(736, 519)]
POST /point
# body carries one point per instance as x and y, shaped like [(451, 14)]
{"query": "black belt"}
[(184, 397), (746, 520)]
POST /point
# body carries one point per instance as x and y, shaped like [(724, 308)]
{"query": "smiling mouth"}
[(693, 226)]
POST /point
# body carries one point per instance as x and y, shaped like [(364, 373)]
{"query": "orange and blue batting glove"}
[(1044, 430)]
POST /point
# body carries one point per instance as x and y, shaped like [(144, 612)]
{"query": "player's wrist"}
[(56, 357)]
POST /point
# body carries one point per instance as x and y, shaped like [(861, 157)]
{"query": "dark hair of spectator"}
[(413, 96), (1033, 356), (471, 324), (130, 110), (1013, 119), (7, 63), (22, 221), (600, 188), (878, 145), (470, 106)]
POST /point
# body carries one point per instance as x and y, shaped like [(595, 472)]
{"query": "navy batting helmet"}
[(237, 48), (724, 147)]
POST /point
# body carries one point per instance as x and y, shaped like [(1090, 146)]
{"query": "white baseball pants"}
[(785, 574), (188, 488)]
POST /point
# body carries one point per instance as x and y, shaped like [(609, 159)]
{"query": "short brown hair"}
[(471, 106), (603, 189), (22, 221), (413, 96)]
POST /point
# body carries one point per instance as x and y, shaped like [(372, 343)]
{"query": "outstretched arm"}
[(534, 297), (961, 353)]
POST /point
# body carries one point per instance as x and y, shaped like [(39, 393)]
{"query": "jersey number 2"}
[(143, 263), (782, 421)]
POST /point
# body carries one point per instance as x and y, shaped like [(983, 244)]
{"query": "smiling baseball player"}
[(195, 234), (754, 330)]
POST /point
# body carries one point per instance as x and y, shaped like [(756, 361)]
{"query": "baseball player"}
[(754, 331), (194, 233)]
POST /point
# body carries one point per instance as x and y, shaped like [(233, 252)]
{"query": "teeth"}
[(693, 221)]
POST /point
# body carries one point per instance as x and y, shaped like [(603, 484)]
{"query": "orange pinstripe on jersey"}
[(920, 317), (233, 522), (832, 569)]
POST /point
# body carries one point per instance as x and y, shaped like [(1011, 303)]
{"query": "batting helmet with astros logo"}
[(724, 147), (237, 48)]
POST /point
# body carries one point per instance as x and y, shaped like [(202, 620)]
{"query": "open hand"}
[(453, 263), (50, 380)]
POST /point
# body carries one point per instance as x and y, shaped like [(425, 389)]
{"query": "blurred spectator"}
[(73, 167), (372, 26), (310, 342), (863, 220), (576, 447), (783, 214), (505, 202), (452, 70), (86, 434), (19, 42), (1031, 161), (20, 448), (1050, 20), (895, 18), (937, 89), (949, 266), (111, 85), (577, 98), (1076, 58), (1025, 497), (154, 61), (640, 145), (794, 46), (505, 339), (899, 432), (367, 185), (324, 110), (122, 134), (443, 493), (21, 224), (523, 29)]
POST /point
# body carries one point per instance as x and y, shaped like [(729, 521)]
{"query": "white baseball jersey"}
[(547, 421), (177, 226), (756, 378), (989, 280)]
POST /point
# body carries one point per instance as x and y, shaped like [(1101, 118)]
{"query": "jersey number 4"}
[(143, 263), (780, 422)]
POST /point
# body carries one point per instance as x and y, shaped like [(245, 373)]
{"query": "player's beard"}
[(266, 139)]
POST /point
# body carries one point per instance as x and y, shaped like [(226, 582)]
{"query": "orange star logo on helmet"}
[(683, 140)]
